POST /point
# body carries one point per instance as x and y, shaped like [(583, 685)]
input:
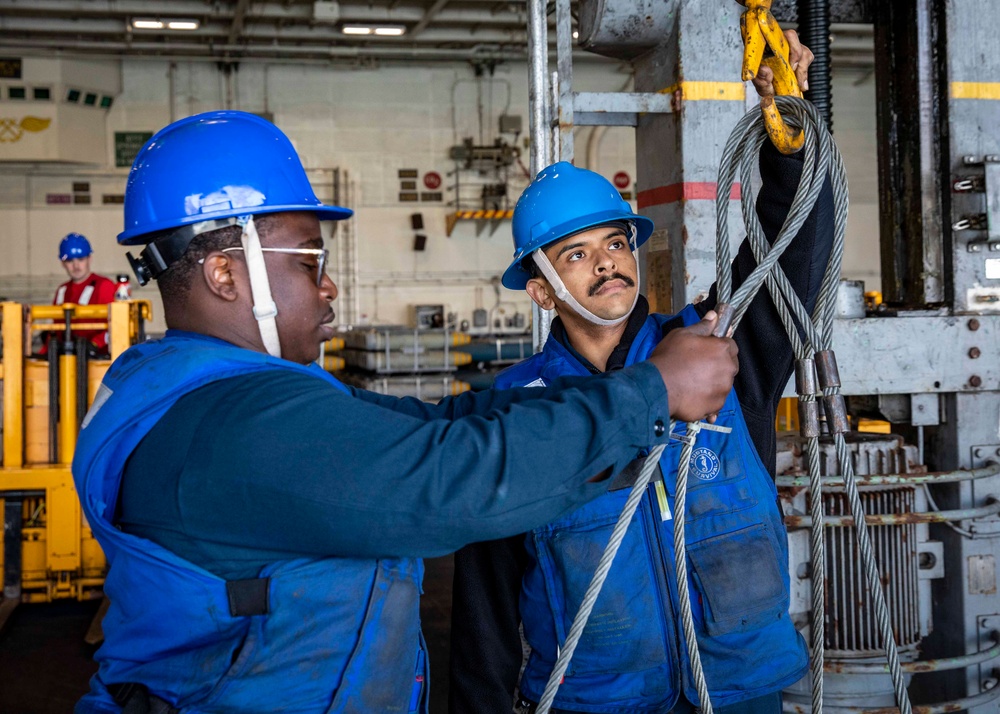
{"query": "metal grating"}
[(851, 628)]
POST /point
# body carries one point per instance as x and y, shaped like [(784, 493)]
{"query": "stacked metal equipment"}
[(917, 357), (404, 362), (49, 551), (329, 357), (490, 355)]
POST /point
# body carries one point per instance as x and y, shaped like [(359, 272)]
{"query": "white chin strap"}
[(546, 268), (264, 308)]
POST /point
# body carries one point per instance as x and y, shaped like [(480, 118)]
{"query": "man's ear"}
[(217, 272), (541, 292)]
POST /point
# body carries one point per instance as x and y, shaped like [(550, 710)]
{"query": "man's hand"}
[(799, 57), (697, 369)]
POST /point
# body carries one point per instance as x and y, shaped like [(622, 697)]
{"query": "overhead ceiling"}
[(294, 30)]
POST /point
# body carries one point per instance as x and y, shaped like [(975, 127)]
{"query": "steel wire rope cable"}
[(748, 134), (818, 341)]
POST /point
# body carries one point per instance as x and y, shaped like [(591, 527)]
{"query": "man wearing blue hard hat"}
[(575, 251), (263, 523), (83, 287)]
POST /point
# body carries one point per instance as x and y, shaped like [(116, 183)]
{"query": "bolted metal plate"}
[(982, 575)]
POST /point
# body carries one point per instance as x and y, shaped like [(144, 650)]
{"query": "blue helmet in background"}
[(74, 246), (561, 201)]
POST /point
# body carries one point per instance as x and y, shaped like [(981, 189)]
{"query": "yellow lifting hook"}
[(761, 31)]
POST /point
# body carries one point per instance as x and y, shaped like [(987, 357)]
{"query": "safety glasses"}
[(322, 255)]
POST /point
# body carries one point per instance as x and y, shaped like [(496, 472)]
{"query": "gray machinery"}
[(928, 361)]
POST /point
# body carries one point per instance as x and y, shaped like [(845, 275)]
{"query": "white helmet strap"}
[(549, 271), (264, 308)]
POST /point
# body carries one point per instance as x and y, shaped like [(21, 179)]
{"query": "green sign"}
[(127, 145)]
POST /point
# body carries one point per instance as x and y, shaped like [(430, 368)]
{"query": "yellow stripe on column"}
[(697, 91), (975, 90)]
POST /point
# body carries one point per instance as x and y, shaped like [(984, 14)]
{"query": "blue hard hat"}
[(212, 166), (561, 201), (74, 246)]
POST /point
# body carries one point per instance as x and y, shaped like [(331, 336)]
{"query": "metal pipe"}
[(172, 90), (53, 355), (537, 78), (82, 382), (891, 519), (928, 665), (935, 477), (539, 118), (67, 405)]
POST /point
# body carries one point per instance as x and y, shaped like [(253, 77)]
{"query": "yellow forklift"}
[(49, 552)]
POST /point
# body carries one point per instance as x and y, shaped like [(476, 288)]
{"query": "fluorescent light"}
[(393, 31), (356, 30), (182, 25), (147, 24)]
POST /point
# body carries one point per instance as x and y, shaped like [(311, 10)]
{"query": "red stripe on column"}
[(692, 190)]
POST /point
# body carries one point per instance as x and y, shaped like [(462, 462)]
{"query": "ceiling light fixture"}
[(147, 24), (356, 30), (182, 25), (390, 31)]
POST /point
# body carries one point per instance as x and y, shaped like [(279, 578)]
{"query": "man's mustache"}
[(605, 278)]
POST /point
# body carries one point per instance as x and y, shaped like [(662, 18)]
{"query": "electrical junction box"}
[(428, 316), (510, 124)]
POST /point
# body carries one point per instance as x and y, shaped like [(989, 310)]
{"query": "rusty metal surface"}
[(935, 665), (911, 107), (955, 705), (625, 29), (913, 479), (915, 353), (961, 514)]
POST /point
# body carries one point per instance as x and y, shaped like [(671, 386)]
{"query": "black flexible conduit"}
[(814, 33)]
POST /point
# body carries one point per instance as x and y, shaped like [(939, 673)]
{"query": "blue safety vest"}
[(631, 657), (336, 635)]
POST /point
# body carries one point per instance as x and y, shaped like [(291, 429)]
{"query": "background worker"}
[(83, 287), (263, 523), (576, 243)]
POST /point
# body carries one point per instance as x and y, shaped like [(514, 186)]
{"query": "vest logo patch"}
[(537, 383), (705, 463)]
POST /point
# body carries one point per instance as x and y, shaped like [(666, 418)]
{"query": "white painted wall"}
[(370, 123)]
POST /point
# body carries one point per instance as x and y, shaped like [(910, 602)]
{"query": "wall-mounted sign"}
[(127, 146), (432, 180), (55, 199), (431, 196), (10, 68), (621, 180), (407, 196), (408, 173)]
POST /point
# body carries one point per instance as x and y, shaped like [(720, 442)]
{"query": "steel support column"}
[(699, 67), (911, 117)]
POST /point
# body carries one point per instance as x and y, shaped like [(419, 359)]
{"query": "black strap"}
[(134, 698), (627, 477), (248, 597)]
